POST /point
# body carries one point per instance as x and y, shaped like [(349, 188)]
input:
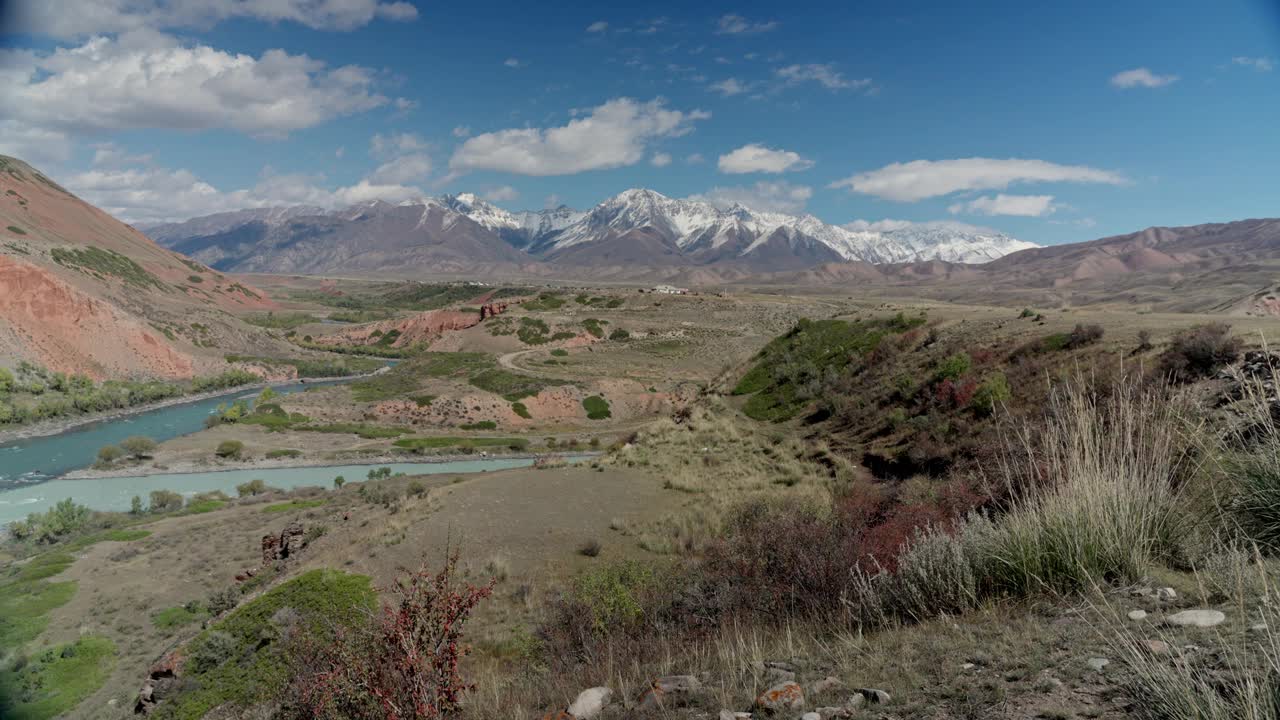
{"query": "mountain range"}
[(637, 228)]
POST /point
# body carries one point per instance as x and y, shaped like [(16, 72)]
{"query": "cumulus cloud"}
[(149, 193), (758, 158), (764, 196), (1001, 204), (660, 159), (920, 179), (505, 193), (149, 80), (401, 170), (1261, 64), (598, 26), (824, 74), (78, 18), (729, 87), (386, 145), (615, 134), (733, 24), (1141, 77)]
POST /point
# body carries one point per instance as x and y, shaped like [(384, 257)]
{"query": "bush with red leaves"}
[(401, 665)]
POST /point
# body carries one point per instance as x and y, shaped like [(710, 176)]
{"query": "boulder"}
[(1156, 647), (590, 702), (787, 695), (1196, 618), (874, 696), (1137, 614), (826, 685), (1166, 593), (1097, 664), (669, 691)]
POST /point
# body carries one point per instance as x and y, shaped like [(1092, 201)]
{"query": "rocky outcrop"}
[(492, 310), (279, 548), (162, 679)]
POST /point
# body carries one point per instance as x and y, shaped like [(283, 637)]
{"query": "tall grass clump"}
[(1096, 496), (1252, 464)]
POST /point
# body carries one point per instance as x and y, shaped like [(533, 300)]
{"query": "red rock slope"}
[(82, 292)]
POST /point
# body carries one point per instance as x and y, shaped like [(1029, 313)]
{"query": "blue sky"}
[(1052, 122)]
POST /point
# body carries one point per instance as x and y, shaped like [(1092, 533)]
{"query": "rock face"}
[(284, 546), (1196, 618), (162, 677), (785, 695), (423, 327)]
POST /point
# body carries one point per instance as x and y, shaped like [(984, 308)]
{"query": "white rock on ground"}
[(1137, 614), (590, 702), (1166, 593), (1098, 663), (1196, 618)]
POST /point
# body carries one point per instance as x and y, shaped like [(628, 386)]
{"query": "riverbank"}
[(191, 468), (57, 426)]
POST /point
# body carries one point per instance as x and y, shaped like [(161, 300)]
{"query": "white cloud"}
[(514, 63), (733, 24), (1141, 77), (112, 155), (504, 193), (404, 105), (1261, 64), (461, 131), (729, 87), (598, 26), (342, 150), (695, 159), (615, 134), (763, 196), (825, 75), (78, 18), (920, 179), (660, 159), (401, 170), (156, 194), (149, 80), (758, 158), (1001, 204)]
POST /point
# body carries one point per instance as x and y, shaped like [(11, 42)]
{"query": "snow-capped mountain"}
[(635, 229), (702, 229)]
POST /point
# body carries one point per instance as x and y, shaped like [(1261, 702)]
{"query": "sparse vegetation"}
[(597, 408)]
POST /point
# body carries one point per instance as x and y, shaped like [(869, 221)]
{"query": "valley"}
[(813, 475)]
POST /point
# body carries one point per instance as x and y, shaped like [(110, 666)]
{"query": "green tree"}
[(6, 380), (254, 487), (139, 446), (108, 454), (135, 506), (338, 482)]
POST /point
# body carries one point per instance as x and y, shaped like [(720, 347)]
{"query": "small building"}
[(669, 290)]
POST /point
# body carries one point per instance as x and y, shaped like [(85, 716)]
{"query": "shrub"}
[(165, 501), (405, 658), (953, 367), (597, 408), (222, 600), (257, 486), (338, 482), (416, 488), (1083, 335), (1199, 351), (619, 335), (993, 392), (481, 425), (1144, 340), (63, 519), (229, 449), (135, 506), (520, 409), (590, 548), (138, 446), (108, 454)]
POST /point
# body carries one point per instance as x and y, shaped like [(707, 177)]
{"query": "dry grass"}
[(720, 460)]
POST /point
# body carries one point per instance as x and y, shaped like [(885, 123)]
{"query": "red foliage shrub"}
[(402, 664), (955, 393)]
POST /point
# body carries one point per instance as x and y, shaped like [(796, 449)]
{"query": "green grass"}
[(96, 261), (481, 425), (252, 669), (368, 432), (294, 505), (283, 321), (406, 378), (510, 385), (26, 597), (594, 326), (560, 352), (177, 616), (545, 301), (56, 680), (422, 400), (200, 507), (782, 380), (432, 443), (283, 453), (597, 408)]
